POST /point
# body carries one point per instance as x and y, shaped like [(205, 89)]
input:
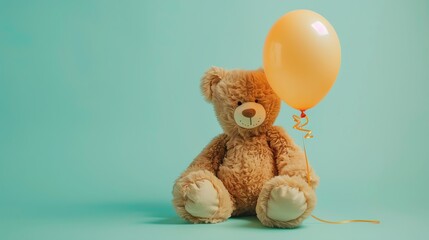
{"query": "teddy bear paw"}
[(201, 199), (286, 203)]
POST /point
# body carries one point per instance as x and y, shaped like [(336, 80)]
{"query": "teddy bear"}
[(254, 167)]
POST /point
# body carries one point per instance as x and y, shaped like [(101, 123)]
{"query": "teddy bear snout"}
[(249, 115), (250, 112)]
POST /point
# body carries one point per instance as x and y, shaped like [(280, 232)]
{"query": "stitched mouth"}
[(251, 123)]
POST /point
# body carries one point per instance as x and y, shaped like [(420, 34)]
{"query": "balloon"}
[(302, 57)]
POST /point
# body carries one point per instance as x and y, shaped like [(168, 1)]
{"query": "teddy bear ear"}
[(209, 80)]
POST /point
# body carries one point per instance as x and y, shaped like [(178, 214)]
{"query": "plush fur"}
[(244, 164)]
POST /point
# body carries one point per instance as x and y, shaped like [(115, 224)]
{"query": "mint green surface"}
[(100, 111)]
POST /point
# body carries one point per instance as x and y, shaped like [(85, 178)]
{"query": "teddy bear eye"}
[(256, 101), (239, 103)]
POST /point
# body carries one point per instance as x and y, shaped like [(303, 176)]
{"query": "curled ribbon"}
[(298, 126), (308, 134)]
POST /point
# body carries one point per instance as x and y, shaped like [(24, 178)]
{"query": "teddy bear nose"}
[(250, 112)]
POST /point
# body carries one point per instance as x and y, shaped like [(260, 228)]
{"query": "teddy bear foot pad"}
[(202, 199), (286, 203)]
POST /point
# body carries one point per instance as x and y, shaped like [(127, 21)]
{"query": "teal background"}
[(100, 111)]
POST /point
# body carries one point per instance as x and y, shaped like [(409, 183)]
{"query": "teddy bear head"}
[(244, 102)]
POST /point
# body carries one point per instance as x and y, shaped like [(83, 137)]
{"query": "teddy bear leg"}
[(284, 202), (200, 197)]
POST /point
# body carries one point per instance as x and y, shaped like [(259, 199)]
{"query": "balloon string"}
[(346, 221), (299, 126), (307, 166)]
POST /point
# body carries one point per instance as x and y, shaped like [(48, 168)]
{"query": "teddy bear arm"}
[(198, 195), (211, 156), (290, 159)]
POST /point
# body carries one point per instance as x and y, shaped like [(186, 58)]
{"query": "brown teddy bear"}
[(251, 168)]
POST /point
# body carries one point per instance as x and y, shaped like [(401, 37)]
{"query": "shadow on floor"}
[(102, 210), (144, 209), (140, 212)]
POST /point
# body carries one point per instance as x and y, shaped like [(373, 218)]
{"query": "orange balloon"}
[(302, 57)]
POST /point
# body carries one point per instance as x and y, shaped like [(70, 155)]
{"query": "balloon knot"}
[(303, 115)]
